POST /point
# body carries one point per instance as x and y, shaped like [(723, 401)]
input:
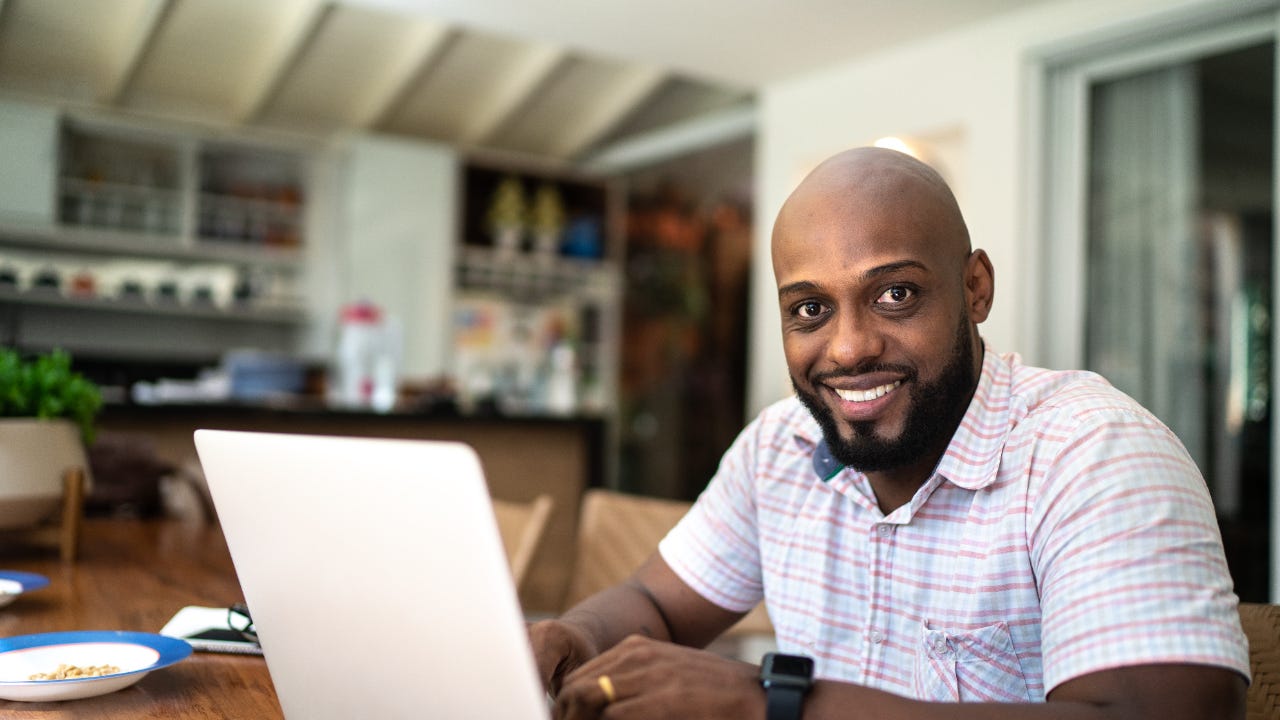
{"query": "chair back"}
[(1261, 624), (617, 532), (522, 526)]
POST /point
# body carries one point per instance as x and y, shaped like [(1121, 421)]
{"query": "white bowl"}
[(14, 583), (135, 654)]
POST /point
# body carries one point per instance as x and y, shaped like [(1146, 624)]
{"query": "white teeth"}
[(865, 395)]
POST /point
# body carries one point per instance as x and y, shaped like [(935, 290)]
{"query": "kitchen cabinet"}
[(28, 146), (136, 241), (132, 225)]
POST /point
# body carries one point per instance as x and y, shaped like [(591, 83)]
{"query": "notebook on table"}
[(375, 576)]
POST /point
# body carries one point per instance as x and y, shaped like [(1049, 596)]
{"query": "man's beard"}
[(935, 411)]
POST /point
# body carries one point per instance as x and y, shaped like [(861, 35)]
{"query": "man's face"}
[(876, 295), (932, 408)]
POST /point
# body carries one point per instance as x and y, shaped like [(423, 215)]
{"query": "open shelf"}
[(241, 313)]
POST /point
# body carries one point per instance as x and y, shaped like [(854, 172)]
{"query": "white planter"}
[(34, 455)]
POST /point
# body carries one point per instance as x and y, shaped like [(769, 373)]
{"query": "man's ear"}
[(979, 286)]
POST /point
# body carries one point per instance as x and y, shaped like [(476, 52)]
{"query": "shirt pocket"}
[(971, 666)]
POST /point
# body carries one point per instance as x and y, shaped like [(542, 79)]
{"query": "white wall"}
[(965, 94), (397, 238)]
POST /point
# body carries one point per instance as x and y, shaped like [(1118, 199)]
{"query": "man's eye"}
[(809, 310), (896, 294)]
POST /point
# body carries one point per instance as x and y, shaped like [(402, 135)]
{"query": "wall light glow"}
[(896, 143)]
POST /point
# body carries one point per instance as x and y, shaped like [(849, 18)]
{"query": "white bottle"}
[(562, 380), (386, 366), (359, 338)]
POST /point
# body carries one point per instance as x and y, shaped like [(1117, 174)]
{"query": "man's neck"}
[(895, 488)]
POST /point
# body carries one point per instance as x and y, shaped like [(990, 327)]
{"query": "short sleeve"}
[(714, 549), (1127, 553)]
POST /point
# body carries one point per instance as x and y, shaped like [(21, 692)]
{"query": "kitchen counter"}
[(523, 456)]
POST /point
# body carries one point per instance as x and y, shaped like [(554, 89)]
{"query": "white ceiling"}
[(743, 43), (563, 80)]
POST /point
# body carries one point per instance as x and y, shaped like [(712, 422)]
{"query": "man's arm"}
[(1156, 692), (634, 632), (658, 681), (654, 602)]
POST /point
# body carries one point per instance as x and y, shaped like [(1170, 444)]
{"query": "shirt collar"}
[(973, 455)]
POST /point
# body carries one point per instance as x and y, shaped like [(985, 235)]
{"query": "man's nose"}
[(857, 339)]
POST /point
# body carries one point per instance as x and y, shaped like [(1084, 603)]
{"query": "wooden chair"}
[(1262, 626), (522, 526), (616, 533)]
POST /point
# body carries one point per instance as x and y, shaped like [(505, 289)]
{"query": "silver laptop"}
[(375, 575)]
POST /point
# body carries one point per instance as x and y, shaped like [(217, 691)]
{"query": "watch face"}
[(791, 665)]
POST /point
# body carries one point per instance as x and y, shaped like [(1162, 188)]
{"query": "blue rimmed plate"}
[(134, 653), (13, 583)]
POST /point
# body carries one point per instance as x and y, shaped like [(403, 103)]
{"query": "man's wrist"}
[(786, 679)]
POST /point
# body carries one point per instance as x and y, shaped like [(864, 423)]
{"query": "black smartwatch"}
[(785, 679)]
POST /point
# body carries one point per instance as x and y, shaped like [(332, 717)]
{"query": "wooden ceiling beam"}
[(297, 34), (594, 120), (133, 51), (530, 72), (422, 47)]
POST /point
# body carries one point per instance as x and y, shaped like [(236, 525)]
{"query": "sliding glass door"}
[(1160, 191)]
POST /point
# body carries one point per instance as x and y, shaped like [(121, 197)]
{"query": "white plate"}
[(136, 654), (14, 583)]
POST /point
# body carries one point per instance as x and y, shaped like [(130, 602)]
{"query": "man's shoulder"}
[(1076, 397)]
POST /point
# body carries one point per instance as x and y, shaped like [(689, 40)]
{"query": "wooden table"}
[(134, 575)]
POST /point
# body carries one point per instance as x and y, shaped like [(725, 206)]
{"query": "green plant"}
[(47, 387)]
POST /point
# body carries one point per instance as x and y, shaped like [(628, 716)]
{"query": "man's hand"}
[(559, 647), (656, 679), (653, 602)]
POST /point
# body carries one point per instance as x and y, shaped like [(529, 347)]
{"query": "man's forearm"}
[(612, 614), (1167, 692)]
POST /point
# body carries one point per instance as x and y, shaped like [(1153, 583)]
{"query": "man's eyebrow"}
[(800, 286), (893, 267), (804, 286)]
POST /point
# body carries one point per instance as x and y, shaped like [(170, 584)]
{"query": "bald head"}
[(871, 216), (876, 185), (879, 290)]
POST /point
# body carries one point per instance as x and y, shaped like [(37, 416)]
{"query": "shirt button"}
[(885, 530), (940, 646), (876, 637)]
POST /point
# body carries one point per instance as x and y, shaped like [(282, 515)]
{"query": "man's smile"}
[(868, 402), (859, 396)]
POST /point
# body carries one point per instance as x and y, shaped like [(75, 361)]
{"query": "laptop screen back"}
[(375, 575)]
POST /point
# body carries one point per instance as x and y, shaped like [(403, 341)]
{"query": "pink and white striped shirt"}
[(1065, 531)]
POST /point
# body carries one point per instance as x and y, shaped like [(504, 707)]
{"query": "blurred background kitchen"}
[(515, 221)]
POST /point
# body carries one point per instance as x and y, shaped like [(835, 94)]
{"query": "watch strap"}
[(783, 702)]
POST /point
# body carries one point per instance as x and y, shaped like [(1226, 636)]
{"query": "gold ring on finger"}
[(606, 686)]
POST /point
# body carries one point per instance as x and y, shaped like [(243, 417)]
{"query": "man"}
[(944, 531)]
